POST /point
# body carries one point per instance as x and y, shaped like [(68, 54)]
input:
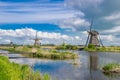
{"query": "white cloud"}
[(25, 36), (74, 23), (113, 30), (77, 37), (108, 37), (110, 40), (113, 16)]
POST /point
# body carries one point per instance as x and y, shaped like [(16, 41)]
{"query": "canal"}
[(87, 67)]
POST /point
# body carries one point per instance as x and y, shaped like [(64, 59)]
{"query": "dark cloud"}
[(96, 9)]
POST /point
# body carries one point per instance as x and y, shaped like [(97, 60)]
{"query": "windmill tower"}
[(93, 37), (37, 40)]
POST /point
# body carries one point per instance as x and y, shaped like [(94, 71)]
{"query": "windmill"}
[(11, 44), (37, 40), (93, 37)]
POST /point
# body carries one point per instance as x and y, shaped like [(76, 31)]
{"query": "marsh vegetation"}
[(39, 53), (111, 68), (91, 47), (14, 71), (67, 47)]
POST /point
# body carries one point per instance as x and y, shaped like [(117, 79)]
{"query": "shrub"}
[(110, 66), (91, 46)]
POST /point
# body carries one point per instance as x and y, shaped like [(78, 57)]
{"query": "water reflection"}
[(93, 58), (95, 73)]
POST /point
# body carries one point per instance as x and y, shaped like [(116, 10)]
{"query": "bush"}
[(91, 46), (110, 66)]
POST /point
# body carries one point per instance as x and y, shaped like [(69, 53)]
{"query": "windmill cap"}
[(93, 32)]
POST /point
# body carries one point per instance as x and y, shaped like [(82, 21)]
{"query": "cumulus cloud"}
[(97, 9), (106, 16), (97, 6), (108, 37), (84, 5), (89, 8), (113, 30), (110, 40), (26, 36), (76, 24), (113, 16)]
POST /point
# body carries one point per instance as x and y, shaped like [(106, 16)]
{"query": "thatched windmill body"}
[(93, 37), (37, 40)]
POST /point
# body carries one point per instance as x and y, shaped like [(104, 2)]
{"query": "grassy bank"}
[(67, 47), (13, 71), (111, 68), (39, 53), (53, 54), (102, 49)]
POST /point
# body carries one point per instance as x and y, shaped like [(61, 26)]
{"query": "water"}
[(87, 68)]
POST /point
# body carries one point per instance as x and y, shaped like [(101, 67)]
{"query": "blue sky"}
[(59, 21)]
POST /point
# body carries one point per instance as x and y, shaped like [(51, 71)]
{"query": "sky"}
[(59, 21)]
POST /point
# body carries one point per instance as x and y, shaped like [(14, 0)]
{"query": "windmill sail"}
[(89, 32), (87, 40), (91, 25)]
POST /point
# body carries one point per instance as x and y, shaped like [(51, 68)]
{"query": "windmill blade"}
[(87, 40), (98, 41), (101, 41), (91, 25)]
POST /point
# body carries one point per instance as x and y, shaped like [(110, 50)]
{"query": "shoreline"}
[(44, 54)]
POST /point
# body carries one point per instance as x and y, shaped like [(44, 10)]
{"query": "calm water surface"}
[(87, 68)]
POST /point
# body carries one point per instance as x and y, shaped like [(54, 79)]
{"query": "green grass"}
[(38, 53), (67, 47), (91, 47), (13, 71), (111, 67), (56, 55)]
